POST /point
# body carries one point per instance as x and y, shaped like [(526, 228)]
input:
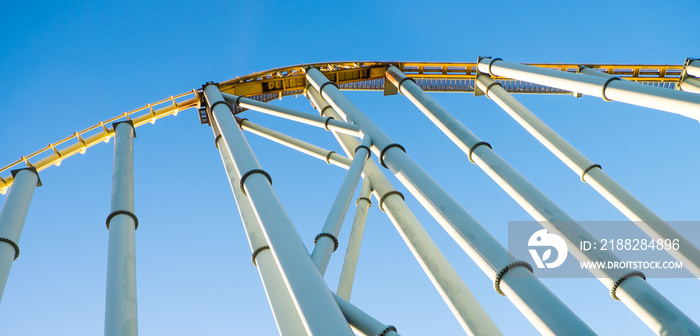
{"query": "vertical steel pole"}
[(352, 253), (314, 301), (592, 173), (544, 310), (281, 303), (639, 296), (326, 242), (610, 89), (464, 306), (12, 218), (120, 304)]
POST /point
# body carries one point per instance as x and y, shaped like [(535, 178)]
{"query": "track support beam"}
[(121, 317)]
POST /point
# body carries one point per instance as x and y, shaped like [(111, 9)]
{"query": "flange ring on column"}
[(13, 244), (471, 150), (251, 172), (387, 330), (585, 171), (363, 198), (369, 152), (123, 212), (605, 86), (389, 193), (617, 283), (488, 88), (257, 251), (491, 64), (326, 234), (381, 155), (502, 272)]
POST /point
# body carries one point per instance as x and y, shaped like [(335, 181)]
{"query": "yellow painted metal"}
[(78, 142), (291, 80)]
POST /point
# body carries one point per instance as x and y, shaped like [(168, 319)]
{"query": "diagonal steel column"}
[(281, 303), (12, 218), (544, 310), (121, 316), (347, 274), (330, 157), (326, 242), (314, 301), (611, 89), (592, 173), (624, 284), (330, 124), (464, 306)]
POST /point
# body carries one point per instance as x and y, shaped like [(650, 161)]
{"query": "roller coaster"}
[(300, 298)]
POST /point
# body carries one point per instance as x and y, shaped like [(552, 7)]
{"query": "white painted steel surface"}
[(281, 303), (352, 253), (121, 315), (325, 246), (679, 102), (630, 206), (290, 114), (315, 303), (12, 218), (454, 292), (641, 298)]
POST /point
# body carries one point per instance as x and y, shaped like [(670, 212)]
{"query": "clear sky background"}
[(64, 67)]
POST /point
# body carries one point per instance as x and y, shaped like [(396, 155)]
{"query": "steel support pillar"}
[(352, 253), (330, 157), (592, 173), (281, 303), (317, 308), (469, 313), (611, 89), (544, 310), (690, 84), (120, 303), (12, 218), (326, 242), (639, 296), (290, 114), (693, 68)]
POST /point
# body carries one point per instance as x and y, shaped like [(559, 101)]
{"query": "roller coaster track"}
[(290, 81), (293, 278)]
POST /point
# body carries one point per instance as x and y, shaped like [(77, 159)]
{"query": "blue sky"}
[(64, 68)]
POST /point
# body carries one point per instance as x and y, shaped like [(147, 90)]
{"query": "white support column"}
[(592, 173), (690, 84), (120, 303), (330, 124), (326, 242), (314, 301), (464, 306), (639, 296), (544, 310), (363, 322), (12, 218), (281, 303), (683, 103), (352, 253), (693, 68), (330, 157)]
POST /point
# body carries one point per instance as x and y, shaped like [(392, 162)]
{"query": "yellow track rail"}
[(291, 80)]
